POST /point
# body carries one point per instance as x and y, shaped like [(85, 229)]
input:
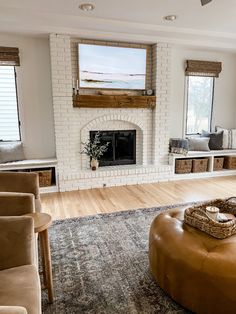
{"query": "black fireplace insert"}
[(121, 148)]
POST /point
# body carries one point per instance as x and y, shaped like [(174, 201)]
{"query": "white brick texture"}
[(161, 83), (72, 125)]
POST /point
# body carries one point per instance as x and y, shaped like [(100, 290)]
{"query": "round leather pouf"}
[(195, 269)]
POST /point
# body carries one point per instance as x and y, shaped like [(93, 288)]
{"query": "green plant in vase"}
[(94, 149)]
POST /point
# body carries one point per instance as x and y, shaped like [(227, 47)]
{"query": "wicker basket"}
[(183, 165), (218, 163), (200, 165), (45, 177), (197, 217), (230, 162)]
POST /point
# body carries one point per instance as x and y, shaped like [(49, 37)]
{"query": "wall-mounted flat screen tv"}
[(111, 67)]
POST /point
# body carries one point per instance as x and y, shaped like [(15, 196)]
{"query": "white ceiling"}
[(213, 25)]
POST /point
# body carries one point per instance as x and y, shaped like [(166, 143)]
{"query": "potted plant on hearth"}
[(94, 149)]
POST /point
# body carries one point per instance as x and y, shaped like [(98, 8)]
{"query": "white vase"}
[(94, 164)]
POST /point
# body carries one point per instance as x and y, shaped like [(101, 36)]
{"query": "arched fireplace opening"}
[(121, 149)]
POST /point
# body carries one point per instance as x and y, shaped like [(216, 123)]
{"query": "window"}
[(200, 90), (9, 118)]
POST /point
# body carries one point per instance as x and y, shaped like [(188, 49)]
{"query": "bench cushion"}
[(11, 152)]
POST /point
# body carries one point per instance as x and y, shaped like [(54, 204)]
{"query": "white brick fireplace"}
[(72, 125)]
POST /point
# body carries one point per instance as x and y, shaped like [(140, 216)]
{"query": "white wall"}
[(225, 88), (34, 94)]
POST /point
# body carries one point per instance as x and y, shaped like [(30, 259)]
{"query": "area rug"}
[(100, 266)]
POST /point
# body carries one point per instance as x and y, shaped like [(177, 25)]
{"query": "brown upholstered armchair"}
[(17, 204), (21, 182), (20, 286)]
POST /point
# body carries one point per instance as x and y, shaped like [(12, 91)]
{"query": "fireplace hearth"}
[(121, 148)]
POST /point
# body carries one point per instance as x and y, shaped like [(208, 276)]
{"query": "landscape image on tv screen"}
[(111, 67)]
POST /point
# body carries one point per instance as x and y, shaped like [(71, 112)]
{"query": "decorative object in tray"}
[(216, 218), (212, 212)]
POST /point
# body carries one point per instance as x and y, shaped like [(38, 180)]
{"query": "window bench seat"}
[(35, 165), (222, 152), (210, 155)]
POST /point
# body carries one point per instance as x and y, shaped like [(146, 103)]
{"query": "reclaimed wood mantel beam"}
[(114, 101)]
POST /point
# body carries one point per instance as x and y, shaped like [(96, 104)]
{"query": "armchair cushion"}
[(12, 310), (16, 204), (20, 286), (16, 242)]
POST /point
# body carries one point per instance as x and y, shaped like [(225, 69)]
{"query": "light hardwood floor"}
[(106, 200)]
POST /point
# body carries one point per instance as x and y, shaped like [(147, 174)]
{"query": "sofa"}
[(20, 291)]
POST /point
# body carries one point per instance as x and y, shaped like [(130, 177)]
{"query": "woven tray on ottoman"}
[(230, 162), (218, 163), (183, 165), (197, 217), (200, 165)]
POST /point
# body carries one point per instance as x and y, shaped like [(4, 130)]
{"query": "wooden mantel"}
[(114, 101)]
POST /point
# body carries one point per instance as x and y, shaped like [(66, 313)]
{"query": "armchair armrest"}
[(16, 241), (16, 204), (12, 310)]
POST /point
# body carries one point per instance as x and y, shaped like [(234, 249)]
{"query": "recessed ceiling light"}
[(171, 17), (86, 7)]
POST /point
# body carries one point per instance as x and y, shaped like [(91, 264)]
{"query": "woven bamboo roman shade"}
[(203, 68), (9, 56)]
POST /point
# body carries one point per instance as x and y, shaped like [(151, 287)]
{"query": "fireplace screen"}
[(121, 148)]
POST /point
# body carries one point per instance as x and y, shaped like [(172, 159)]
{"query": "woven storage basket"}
[(45, 177), (230, 162), (183, 165), (218, 163), (197, 217), (200, 165)]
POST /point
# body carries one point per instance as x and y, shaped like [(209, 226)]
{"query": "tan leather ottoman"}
[(196, 270)]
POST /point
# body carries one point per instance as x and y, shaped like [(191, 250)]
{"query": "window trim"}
[(17, 105), (18, 113), (185, 134)]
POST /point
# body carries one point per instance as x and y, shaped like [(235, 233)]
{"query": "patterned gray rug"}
[(100, 266)]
